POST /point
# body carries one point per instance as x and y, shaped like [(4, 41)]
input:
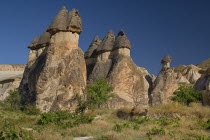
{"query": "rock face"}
[(113, 62), (165, 83), (189, 72), (10, 77), (203, 85), (55, 77)]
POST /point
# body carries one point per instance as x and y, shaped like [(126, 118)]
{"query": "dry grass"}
[(102, 127)]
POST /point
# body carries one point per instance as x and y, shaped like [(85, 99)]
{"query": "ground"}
[(171, 121)]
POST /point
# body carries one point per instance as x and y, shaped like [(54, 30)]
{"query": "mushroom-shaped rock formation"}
[(59, 23), (165, 83), (166, 62), (90, 55), (58, 75), (91, 52), (203, 85), (107, 43), (122, 45), (74, 21), (103, 64)]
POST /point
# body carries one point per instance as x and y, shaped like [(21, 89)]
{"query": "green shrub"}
[(30, 110), (64, 119), (139, 120), (96, 95), (9, 132), (118, 128), (156, 131), (186, 94), (165, 121), (13, 100)]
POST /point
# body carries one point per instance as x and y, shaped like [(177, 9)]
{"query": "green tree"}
[(13, 99), (186, 94), (96, 94)]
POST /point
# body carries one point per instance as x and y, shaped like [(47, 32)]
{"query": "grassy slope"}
[(205, 64), (188, 126)]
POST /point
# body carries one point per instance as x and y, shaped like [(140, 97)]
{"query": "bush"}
[(30, 110), (96, 95), (9, 132), (156, 131), (64, 119), (13, 100), (186, 94), (139, 120)]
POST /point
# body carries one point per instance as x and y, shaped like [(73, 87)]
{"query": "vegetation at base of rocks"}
[(187, 122), (12, 103), (156, 131), (9, 132), (186, 94), (96, 95), (64, 119)]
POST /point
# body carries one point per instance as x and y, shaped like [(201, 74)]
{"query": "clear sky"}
[(155, 28)]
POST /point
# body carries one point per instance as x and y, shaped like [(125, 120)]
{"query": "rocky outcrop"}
[(10, 77), (189, 72), (9, 67), (165, 83), (91, 56), (58, 74), (203, 85), (130, 82)]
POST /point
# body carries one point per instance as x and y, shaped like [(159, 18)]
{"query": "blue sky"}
[(155, 28)]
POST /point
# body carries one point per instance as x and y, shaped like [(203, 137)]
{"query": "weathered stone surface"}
[(60, 21), (122, 41), (107, 43), (74, 21), (165, 84), (203, 85), (10, 77), (189, 72), (129, 82), (91, 56), (56, 73), (66, 21), (181, 79), (9, 67)]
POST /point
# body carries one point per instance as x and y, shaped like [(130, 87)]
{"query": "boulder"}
[(165, 83)]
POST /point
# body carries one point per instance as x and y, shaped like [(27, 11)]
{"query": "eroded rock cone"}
[(91, 56), (133, 89), (165, 83), (58, 75), (203, 85), (103, 62)]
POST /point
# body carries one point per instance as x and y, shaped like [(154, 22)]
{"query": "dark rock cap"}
[(204, 71), (59, 23), (74, 21), (40, 41), (122, 41), (66, 21), (91, 52), (166, 59), (107, 43), (34, 42)]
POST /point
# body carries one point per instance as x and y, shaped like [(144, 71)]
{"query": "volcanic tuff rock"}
[(203, 85), (190, 72), (10, 77), (165, 83), (58, 74), (115, 64)]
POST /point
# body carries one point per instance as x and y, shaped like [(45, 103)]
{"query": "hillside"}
[(204, 64), (171, 121)]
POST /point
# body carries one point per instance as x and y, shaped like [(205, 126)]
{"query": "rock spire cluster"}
[(55, 75)]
